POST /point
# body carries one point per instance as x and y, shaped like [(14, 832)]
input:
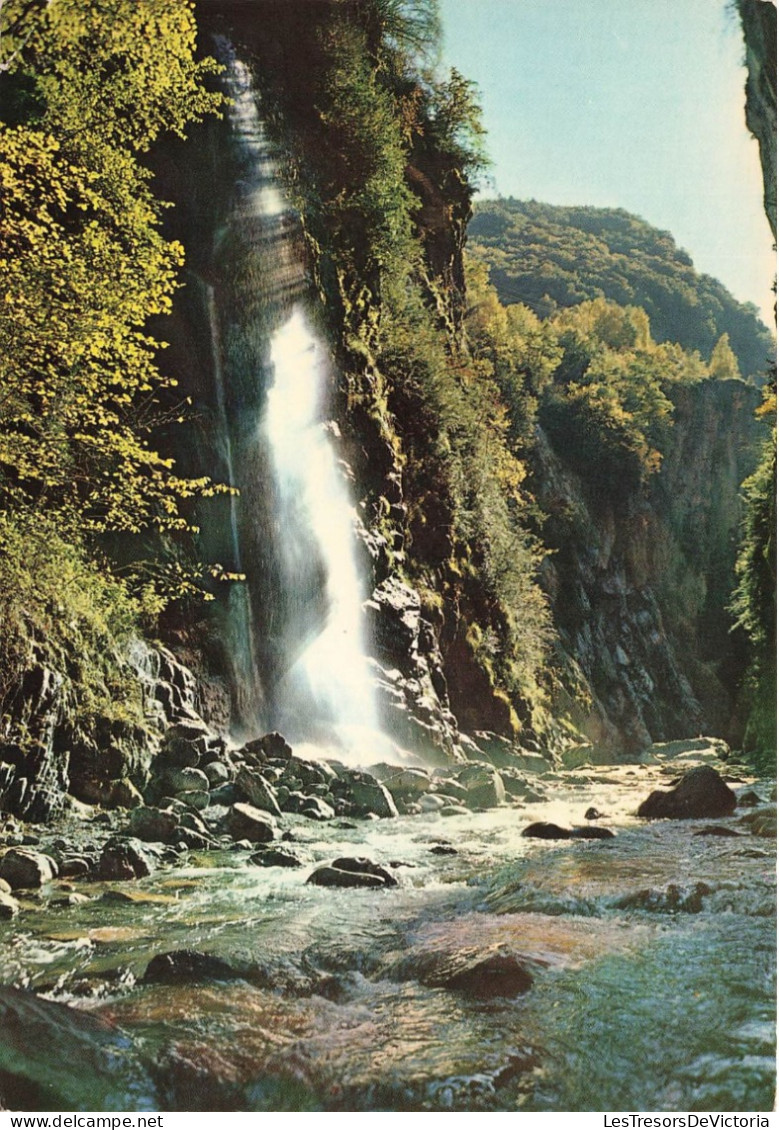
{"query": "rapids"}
[(651, 957)]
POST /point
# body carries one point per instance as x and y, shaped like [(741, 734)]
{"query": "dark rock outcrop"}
[(758, 18), (546, 831), (347, 872), (700, 793), (245, 822), (276, 857), (124, 858), (185, 967), (53, 1057), (23, 868)]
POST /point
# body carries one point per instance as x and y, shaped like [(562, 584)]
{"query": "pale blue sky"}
[(635, 104)]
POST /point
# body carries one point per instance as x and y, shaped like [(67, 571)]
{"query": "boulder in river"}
[(592, 832), (481, 973), (257, 791), (496, 975), (348, 872), (53, 1057), (185, 779), (186, 966), (700, 793), (270, 747), (124, 858), (276, 857), (542, 830), (154, 825), (483, 784), (316, 808), (8, 906), (761, 822), (671, 900), (369, 797), (245, 822), (23, 868)]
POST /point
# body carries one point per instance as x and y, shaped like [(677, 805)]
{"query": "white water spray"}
[(330, 677), (298, 547)]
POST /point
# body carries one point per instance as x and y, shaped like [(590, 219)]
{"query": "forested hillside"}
[(550, 256)]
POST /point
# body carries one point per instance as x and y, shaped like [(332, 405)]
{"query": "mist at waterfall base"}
[(328, 682), (297, 637)]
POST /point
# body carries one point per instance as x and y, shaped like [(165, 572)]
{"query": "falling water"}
[(316, 525), (294, 524)]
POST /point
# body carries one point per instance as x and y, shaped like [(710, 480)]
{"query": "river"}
[(648, 958)]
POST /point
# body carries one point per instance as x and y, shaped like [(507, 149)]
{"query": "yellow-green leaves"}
[(83, 265)]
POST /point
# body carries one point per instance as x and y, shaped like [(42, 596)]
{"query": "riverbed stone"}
[(352, 872), (185, 779), (408, 784), (124, 858), (483, 784), (9, 907), (217, 773), (431, 802), (226, 795), (542, 830), (481, 974), (516, 785), (184, 743), (701, 792), (199, 799), (245, 822), (257, 791), (360, 865), (673, 899), (317, 808), (591, 832), (723, 831), (153, 824), (371, 797), (183, 967), (75, 866), (23, 868), (760, 822), (271, 747), (334, 877), (276, 857)]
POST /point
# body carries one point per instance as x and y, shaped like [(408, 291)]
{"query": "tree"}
[(83, 264), (724, 363)]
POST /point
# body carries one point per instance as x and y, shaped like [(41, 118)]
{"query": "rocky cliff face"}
[(758, 19), (640, 588)]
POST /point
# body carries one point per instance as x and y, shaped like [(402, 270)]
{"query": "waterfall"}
[(316, 528), (301, 664)]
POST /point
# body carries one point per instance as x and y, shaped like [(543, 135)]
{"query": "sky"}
[(636, 104)]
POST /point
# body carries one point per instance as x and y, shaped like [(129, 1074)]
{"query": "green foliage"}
[(82, 261), (523, 352), (724, 363), (366, 204), (754, 605), (453, 125), (608, 410), (550, 256), (64, 610), (468, 508), (85, 89)]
